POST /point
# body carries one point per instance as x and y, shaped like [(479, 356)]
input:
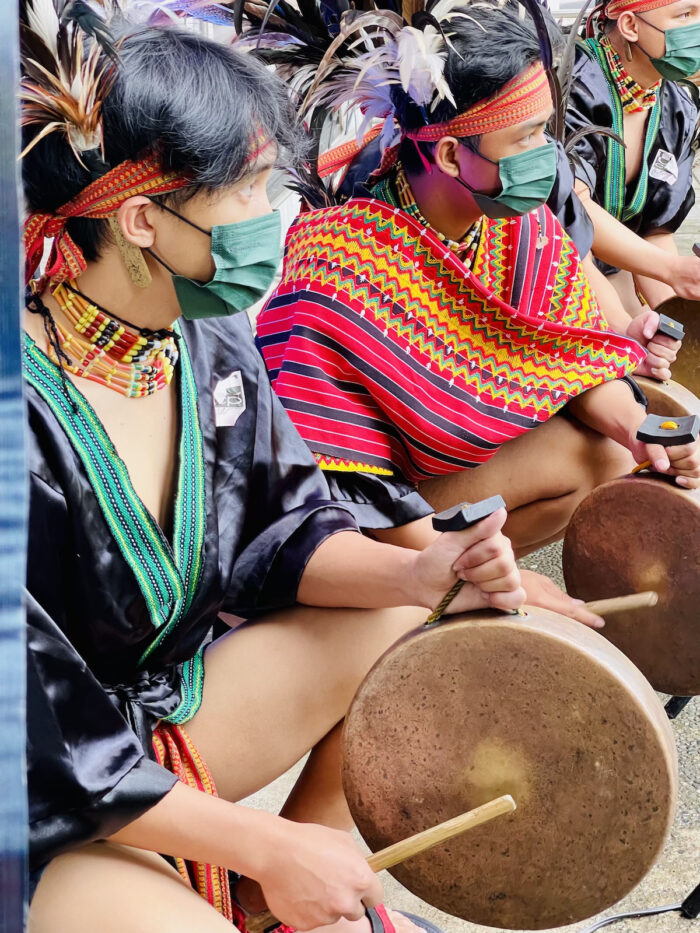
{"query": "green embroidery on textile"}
[(191, 684), (615, 187), (167, 577)]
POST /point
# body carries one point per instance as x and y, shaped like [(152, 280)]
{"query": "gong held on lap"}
[(536, 706)]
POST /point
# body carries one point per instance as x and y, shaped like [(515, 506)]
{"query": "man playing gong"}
[(421, 332)]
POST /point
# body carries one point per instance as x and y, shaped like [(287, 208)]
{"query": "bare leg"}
[(543, 476), (114, 889), (317, 797), (274, 689)]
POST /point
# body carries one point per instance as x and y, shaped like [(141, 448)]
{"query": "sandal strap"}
[(379, 919)]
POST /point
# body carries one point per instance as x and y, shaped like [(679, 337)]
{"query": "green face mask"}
[(246, 255), (682, 56), (526, 178)]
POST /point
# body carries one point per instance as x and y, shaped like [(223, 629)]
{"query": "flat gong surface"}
[(642, 533), (539, 707), (686, 369)]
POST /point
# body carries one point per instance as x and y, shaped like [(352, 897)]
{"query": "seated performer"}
[(629, 251), (626, 79), (168, 484), (419, 333)]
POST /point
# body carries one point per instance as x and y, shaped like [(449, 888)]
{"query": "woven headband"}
[(526, 96), (614, 9), (101, 199)]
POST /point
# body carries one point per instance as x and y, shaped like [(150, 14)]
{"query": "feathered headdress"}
[(64, 73), (68, 60), (330, 54)]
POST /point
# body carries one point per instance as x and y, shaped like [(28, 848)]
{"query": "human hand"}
[(681, 461), (313, 876), (684, 276), (661, 351), (541, 591), (482, 557)]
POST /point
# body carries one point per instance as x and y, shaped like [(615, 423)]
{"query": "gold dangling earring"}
[(134, 260), (628, 51)]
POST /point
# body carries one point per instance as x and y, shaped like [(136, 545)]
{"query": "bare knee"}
[(116, 889)]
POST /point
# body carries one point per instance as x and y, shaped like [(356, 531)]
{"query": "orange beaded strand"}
[(111, 353)]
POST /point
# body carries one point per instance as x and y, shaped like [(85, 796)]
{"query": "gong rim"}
[(377, 752), (686, 369), (643, 533)]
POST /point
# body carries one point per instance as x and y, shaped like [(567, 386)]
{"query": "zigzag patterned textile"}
[(390, 354)]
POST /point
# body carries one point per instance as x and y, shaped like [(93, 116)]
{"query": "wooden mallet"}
[(414, 845), (606, 607)]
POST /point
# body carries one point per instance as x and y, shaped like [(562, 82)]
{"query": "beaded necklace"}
[(464, 248), (106, 350), (633, 96)]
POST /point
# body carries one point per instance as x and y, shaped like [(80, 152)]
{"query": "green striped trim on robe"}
[(167, 577), (615, 188)]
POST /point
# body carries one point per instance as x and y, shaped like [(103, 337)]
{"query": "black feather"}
[(78, 12), (591, 130), (566, 65), (537, 15)]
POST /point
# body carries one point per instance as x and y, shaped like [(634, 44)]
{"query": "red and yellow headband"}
[(526, 96), (615, 8), (100, 200)]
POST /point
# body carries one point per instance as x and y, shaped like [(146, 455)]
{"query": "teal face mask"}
[(526, 178), (682, 56), (246, 255)]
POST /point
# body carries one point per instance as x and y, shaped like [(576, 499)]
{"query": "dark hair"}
[(489, 46), (197, 101)]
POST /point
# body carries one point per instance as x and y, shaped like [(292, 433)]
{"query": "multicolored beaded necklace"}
[(633, 96), (464, 248), (135, 362)]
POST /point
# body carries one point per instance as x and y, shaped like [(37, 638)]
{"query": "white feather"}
[(43, 20)]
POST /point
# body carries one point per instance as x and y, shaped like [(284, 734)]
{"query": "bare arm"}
[(654, 291), (310, 875), (611, 410), (352, 570), (649, 258)]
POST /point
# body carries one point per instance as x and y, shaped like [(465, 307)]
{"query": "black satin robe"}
[(667, 205), (91, 710)]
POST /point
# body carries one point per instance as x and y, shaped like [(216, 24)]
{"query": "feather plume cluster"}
[(64, 71), (68, 56), (340, 57), (333, 55)]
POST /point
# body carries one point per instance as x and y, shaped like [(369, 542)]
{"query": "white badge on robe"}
[(664, 167), (229, 400)]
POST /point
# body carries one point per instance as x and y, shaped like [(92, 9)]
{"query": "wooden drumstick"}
[(414, 845), (605, 607)]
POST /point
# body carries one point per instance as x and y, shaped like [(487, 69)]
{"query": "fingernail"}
[(661, 465), (579, 602), (600, 623), (682, 481)]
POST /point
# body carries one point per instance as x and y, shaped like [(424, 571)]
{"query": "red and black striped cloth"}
[(390, 354)]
